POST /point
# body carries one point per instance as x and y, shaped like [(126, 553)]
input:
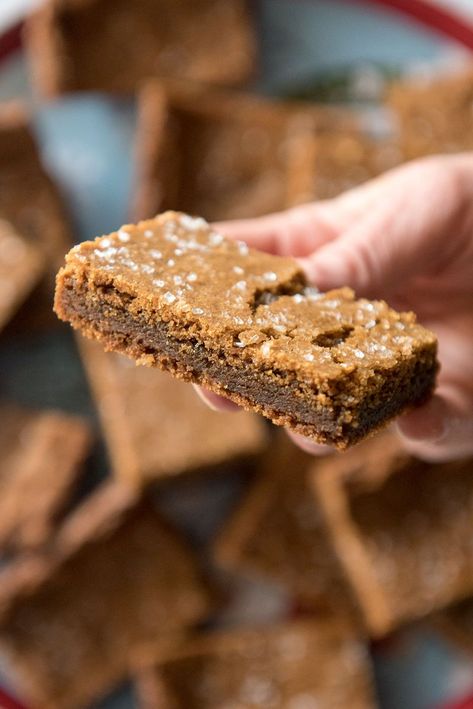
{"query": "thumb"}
[(373, 256), (400, 233)]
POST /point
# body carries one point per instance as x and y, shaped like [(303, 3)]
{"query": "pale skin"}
[(405, 237)]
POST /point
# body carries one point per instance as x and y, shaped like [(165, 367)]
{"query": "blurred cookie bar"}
[(112, 45), (157, 428), (41, 453), (434, 113), (405, 540), (222, 155), (278, 532), (313, 663), (337, 161), (115, 578), (21, 266)]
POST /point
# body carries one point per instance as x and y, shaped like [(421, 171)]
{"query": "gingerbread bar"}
[(278, 532), (433, 113), (317, 663), (40, 461), (405, 541), (175, 294), (21, 266), (117, 578), (31, 203), (341, 160), (28, 197), (202, 40), (219, 154), (155, 427)]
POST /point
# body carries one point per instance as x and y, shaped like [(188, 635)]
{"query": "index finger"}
[(295, 232)]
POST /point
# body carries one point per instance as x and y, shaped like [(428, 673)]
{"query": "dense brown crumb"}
[(156, 428), (316, 664), (173, 293), (117, 578), (405, 539), (112, 45)]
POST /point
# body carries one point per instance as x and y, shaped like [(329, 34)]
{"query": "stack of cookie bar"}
[(200, 555)]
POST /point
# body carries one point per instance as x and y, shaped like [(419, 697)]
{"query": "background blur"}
[(92, 144)]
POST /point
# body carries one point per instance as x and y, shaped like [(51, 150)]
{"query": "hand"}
[(406, 237)]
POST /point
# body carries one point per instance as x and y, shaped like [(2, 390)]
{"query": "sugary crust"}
[(326, 365)]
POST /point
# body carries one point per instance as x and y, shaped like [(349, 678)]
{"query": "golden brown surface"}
[(117, 578), (40, 458), (171, 290), (112, 45), (434, 114), (218, 154), (21, 266), (405, 543), (278, 531), (158, 428), (306, 665)]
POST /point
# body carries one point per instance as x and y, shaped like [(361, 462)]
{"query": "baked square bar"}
[(405, 540), (278, 532), (433, 113), (41, 456), (221, 154), (116, 577), (21, 266), (112, 45), (139, 408), (172, 293), (311, 664), (341, 160)]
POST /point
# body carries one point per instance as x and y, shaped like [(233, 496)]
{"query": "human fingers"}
[(441, 429), (407, 232), (295, 232)]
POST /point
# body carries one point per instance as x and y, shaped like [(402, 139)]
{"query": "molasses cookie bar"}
[(139, 408), (173, 293), (262, 666)]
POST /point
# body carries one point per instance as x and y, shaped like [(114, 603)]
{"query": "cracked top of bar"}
[(259, 306)]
